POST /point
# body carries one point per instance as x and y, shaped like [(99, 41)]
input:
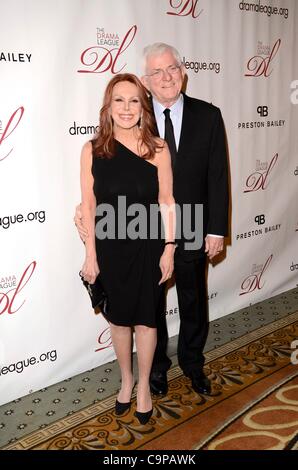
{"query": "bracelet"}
[(170, 243)]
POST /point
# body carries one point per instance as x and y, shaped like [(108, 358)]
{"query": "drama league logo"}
[(104, 340), (254, 281), (185, 8), (259, 179), (8, 129), (100, 59), (293, 266), (259, 64), (9, 300)]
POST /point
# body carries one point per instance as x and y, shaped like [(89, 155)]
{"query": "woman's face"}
[(125, 106)]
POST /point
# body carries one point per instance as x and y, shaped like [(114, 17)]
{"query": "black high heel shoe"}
[(144, 417), (120, 408)]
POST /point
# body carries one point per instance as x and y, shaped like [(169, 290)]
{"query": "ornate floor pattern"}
[(44, 408), (243, 372), (271, 423)]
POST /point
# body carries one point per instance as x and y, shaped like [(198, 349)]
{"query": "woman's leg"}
[(122, 340), (146, 344)]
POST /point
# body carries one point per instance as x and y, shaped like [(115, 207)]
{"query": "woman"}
[(127, 160)]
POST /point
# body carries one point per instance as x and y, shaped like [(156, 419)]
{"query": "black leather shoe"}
[(200, 383), (144, 417), (120, 408), (158, 383)]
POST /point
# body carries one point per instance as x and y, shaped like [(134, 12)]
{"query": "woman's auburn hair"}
[(104, 141)]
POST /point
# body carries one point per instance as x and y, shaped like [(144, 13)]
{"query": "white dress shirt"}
[(175, 115)]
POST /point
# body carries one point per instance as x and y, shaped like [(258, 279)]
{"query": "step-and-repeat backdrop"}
[(56, 58)]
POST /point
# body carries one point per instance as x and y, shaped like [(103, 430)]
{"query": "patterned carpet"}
[(253, 405)]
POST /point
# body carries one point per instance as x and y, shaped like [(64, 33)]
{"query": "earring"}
[(141, 122)]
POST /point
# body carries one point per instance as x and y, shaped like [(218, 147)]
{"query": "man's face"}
[(164, 78)]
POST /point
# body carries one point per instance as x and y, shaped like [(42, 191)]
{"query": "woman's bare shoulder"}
[(87, 147), (86, 154)]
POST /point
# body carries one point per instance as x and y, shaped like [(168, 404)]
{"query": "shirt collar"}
[(175, 108)]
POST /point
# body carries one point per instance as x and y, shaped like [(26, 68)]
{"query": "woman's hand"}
[(83, 232), (166, 263), (90, 269)]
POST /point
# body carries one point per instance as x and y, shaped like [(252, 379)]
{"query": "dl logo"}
[(185, 8), (294, 355), (260, 219), (294, 94), (262, 111)]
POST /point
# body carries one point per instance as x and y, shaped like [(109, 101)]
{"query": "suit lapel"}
[(187, 128)]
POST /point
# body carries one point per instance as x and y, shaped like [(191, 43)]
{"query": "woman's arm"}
[(167, 209), (88, 207)]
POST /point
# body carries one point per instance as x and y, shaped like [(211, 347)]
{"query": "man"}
[(195, 134), (200, 177)]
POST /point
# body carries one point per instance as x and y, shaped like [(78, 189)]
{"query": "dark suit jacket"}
[(201, 170)]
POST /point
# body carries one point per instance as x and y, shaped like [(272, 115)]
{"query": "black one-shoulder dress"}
[(129, 265)]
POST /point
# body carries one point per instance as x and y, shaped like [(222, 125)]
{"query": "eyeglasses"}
[(158, 73)]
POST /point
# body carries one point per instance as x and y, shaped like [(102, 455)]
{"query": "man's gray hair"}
[(159, 48)]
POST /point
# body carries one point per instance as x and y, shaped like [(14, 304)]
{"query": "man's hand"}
[(213, 246), (83, 232)]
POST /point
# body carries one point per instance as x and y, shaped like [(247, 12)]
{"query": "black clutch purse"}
[(97, 294)]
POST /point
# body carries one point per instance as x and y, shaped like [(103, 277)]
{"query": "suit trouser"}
[(192, 300)]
